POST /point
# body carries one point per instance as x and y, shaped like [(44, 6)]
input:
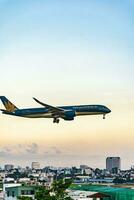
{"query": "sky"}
[(67, 53)]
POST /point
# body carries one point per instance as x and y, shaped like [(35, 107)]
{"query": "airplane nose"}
[(108, 110)]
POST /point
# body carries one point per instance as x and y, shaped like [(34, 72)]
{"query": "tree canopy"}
[(57, 192)]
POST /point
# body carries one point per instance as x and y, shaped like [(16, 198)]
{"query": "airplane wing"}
[(53, 109)]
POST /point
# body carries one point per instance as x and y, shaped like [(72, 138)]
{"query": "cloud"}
[(2, 153), (20, 149), (29, 152), (33, 148), (53, 155), (53, 150), (56, 150), (5, 151)]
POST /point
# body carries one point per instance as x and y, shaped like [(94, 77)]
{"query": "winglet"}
[(39, 101)]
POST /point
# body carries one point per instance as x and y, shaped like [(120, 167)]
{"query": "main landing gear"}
[(104, 116), (56, 120)]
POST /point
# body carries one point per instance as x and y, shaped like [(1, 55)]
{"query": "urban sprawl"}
[(18, 181)]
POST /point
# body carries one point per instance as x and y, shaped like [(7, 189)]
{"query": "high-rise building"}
[(84, 167), (35, 165), (113, 164), (8, 167)]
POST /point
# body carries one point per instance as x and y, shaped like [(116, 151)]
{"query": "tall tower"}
[(113, 164)]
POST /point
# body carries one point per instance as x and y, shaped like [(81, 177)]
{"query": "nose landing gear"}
[(56, 120), (104, 116)]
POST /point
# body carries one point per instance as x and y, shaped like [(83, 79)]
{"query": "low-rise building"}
[(9, 167), (35, 165), (88, 195), (12, 191)]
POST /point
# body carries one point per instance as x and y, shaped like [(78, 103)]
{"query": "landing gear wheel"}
[(55, 120), (104, 117)]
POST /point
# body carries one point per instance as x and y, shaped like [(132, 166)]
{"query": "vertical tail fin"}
[(8, 105)]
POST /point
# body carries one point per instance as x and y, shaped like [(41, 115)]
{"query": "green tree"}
[(43, 194), (57, 192), (59, 189), (118, 180)]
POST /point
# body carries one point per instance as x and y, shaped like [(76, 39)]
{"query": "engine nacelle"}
[(69, 115)]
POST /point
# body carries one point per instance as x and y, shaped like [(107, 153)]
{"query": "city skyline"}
[(72, 52)]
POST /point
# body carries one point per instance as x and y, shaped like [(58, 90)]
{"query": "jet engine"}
[(69, 115)]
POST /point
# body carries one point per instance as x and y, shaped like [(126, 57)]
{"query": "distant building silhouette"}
[(35, 165), (8, 167), (113, 164)]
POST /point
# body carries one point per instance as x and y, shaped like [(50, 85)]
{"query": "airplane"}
[(47, 111)]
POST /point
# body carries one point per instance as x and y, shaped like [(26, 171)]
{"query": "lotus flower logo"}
[(9, 106)]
